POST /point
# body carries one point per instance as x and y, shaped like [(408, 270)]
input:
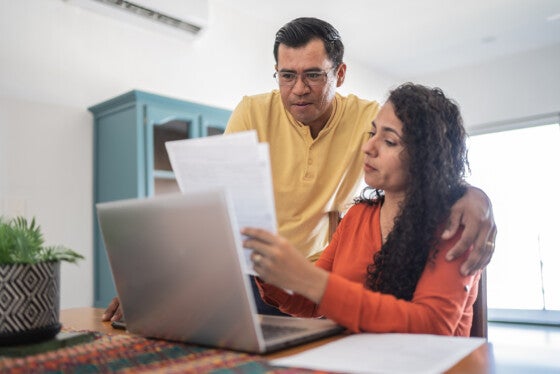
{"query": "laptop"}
[(180, 274)]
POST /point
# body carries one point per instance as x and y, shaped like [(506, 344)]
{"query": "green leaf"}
[(21, 242)]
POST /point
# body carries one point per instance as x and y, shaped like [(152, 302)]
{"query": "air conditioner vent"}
[(179, 17), (153, 15)]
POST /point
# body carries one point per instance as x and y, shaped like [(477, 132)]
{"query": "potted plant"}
[(29, 282)]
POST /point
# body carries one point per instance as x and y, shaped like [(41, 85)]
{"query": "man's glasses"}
[(310, 78)]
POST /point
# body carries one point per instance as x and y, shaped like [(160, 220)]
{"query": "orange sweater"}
[(442, 302)]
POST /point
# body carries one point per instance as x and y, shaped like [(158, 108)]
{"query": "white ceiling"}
[(407, 38)]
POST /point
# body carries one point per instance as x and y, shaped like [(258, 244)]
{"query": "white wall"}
[(508, 88), (57, 59), (46, 172)]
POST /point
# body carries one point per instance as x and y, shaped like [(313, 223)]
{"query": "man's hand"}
[(113, 311), (474, 212)]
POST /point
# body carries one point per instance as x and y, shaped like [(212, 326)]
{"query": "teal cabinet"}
[(130, 159)]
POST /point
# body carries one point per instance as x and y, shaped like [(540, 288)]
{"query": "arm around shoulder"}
[(474, 212)]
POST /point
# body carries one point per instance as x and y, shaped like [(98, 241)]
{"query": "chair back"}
[(479, 326)]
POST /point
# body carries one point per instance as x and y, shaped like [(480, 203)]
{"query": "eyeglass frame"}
[(304, 77)]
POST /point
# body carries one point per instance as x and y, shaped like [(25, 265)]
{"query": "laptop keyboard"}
[(275, 331)]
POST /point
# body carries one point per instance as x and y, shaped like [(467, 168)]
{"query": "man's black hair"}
[(301, 31)]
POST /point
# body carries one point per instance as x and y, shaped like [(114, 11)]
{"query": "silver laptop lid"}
[(173, 275)]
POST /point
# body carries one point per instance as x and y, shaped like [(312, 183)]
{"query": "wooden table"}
[(479, 361)]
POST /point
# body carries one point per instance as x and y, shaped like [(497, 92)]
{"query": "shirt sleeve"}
[(292, 304), (441, 304), (438, 306), (239, 119)]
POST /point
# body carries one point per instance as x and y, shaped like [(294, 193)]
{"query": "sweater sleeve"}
[(441, 304)]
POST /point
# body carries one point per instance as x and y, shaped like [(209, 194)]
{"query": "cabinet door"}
[(118, 174), (213, 121), (209, 128), (162, 125), (131, 160)]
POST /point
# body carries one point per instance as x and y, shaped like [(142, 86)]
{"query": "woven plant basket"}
[(29, 302)]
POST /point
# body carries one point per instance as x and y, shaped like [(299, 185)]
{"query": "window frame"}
[(525, 316)]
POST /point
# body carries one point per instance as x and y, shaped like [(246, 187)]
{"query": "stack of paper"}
[(385, 353), (236, 162)]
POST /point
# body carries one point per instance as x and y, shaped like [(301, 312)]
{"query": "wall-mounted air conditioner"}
[(183, 16)]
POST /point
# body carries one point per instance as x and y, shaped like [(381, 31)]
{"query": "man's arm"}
[(474, 212), (113, 311)]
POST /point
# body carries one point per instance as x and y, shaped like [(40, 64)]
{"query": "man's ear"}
[(340, 74)]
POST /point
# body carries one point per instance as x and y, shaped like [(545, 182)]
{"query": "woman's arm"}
[(278, 262), (441, 303)]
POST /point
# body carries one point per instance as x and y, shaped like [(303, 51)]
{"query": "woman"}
[(385, 269)]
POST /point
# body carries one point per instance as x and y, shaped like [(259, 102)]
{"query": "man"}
[(315, 137)]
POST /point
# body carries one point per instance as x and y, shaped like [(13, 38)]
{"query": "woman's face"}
[(385, 163)]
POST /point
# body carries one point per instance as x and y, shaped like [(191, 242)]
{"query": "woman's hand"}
[(474, 212), (278, 262)]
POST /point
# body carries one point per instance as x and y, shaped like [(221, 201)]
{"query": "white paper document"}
[(237, 162), (385, 353)]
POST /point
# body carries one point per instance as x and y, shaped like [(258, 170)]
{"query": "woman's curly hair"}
[(435, 145)]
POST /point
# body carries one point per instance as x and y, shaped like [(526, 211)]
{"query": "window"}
[(520, 171)]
